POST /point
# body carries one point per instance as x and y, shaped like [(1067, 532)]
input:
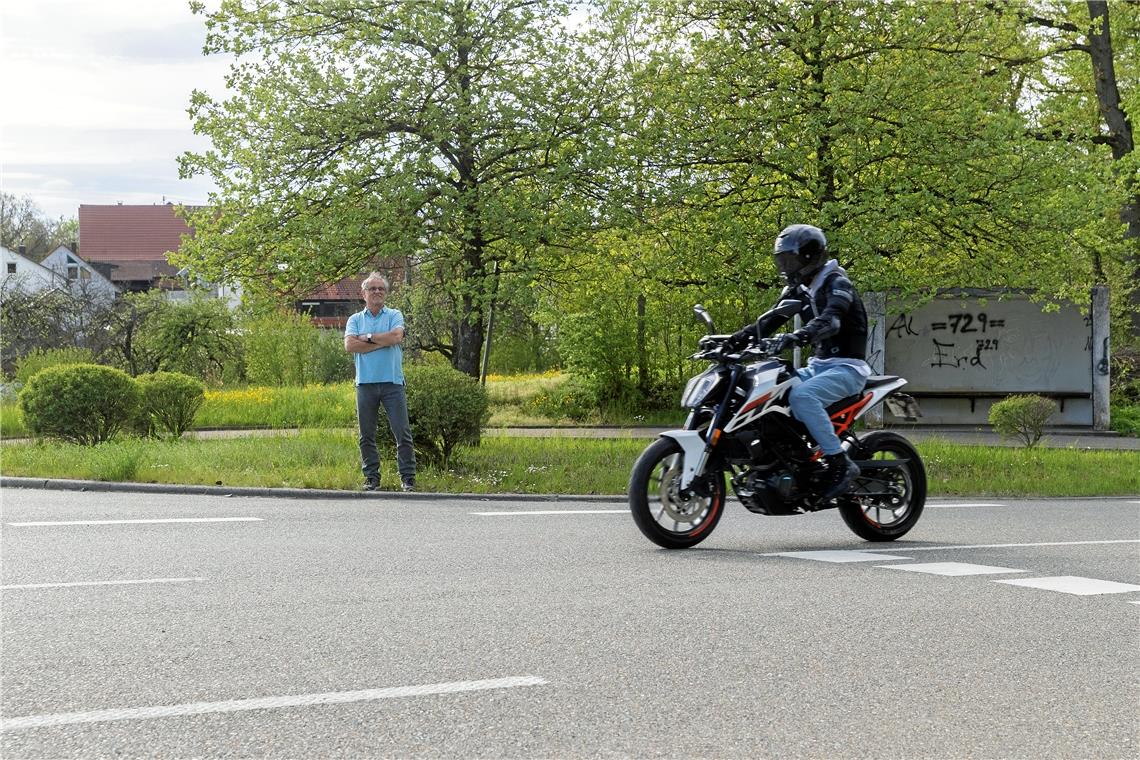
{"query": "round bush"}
[(1022, 417), (446, 407), (169, 402), (81, 403)]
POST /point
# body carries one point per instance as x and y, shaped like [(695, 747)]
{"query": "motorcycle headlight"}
[(699, 388)]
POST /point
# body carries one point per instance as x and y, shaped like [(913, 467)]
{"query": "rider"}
[(836, 324)]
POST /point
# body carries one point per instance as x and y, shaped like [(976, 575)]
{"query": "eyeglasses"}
[(376, 290)]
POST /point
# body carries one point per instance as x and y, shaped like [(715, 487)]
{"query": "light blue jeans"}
[(821, 388), (369, 397)]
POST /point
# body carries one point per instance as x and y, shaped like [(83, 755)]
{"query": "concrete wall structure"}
[(962, 353)]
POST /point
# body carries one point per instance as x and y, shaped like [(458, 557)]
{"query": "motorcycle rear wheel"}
[(665, 514), (884, 505)]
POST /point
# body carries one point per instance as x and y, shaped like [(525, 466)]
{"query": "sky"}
[(94, 101)]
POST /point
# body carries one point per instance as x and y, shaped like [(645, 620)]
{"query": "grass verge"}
[(324, 459)]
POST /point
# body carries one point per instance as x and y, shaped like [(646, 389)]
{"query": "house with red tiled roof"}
[(128, 244)]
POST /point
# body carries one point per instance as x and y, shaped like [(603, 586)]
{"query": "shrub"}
[(286, 349), (169, 401), (1022, 417), (38, 359), (1126, 419), (577, 398), (81, 403), (446, 408)]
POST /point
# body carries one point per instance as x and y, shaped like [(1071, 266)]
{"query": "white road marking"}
[(836, 555), (134, 522), (962, 506), (1071, 584), (99, 583), (556, 512), (953, 568), (1011, 546), (264, 703)]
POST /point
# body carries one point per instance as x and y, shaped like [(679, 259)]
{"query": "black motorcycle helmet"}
[(800, 251)]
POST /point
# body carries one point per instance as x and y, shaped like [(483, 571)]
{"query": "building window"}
[(11, 267)]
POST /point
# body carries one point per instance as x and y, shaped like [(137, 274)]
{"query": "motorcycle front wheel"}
[(884, 504), (666, 514)]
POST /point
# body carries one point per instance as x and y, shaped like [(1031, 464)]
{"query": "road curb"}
[(58, 484)]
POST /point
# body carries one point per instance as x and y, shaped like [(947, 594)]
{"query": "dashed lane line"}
[(54, 523), (15, 586), (935, 505), (1072, 584), (264, 703), (555, 512), (1012, 546), (836, 555), (953, 568)]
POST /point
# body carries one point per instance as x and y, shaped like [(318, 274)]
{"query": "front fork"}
[(695, 447)]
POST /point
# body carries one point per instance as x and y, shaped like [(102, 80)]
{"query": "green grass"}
[(329, 459)]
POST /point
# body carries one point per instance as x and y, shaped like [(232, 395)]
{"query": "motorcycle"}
[(740, 425)]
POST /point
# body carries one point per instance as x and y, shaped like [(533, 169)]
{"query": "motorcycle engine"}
[(766, 493)]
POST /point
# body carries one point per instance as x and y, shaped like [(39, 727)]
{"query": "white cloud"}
[(96, 98)]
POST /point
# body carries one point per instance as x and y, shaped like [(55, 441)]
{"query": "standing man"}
[(373, 337)]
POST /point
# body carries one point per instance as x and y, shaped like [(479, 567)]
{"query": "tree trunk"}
[(1120, 135), (468, 338), (642, 351)]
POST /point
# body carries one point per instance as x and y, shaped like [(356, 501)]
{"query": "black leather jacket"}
[(835, 321)]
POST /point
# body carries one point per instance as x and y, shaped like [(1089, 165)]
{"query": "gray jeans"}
[(369, 397)]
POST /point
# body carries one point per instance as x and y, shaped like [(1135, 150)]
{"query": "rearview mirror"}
[(705, 317)]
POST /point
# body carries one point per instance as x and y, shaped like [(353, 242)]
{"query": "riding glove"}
[(784, 341)]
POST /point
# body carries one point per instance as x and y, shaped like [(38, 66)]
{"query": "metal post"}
[(490, 325), (1100, 358), (876, 306)]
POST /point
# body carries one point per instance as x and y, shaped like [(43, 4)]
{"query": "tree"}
[(893, 127), (1086, 97), (23, 223), (451, 132)]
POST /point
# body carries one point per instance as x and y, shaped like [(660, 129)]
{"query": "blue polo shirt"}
[(384, 365)]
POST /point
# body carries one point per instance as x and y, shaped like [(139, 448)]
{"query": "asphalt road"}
[(274, 627)]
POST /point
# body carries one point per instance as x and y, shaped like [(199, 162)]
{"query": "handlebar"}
[(714, 348)]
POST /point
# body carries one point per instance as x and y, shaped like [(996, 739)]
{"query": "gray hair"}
[(375, 276)]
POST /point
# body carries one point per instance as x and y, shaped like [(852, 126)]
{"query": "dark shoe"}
[(409, 485), (841, 473), (371, 484)]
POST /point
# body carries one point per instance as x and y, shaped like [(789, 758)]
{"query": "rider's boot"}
[(841, 472)]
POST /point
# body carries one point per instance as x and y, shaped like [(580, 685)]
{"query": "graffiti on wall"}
[(1011, 345)]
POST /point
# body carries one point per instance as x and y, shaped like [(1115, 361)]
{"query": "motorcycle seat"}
[(874, 381)]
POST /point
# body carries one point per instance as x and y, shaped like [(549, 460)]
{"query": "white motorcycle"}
[(740, 425)]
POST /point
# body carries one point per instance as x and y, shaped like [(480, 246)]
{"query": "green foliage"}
[(115, 461), (285, 348), (1126, 419), (576, 398), (1022, 417), (194, 337), (436, 144), (313, 406), (42, 358), (169, 401), (447, 409), (81, 403)]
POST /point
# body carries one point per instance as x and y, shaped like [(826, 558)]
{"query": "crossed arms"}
[(356, 344)]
